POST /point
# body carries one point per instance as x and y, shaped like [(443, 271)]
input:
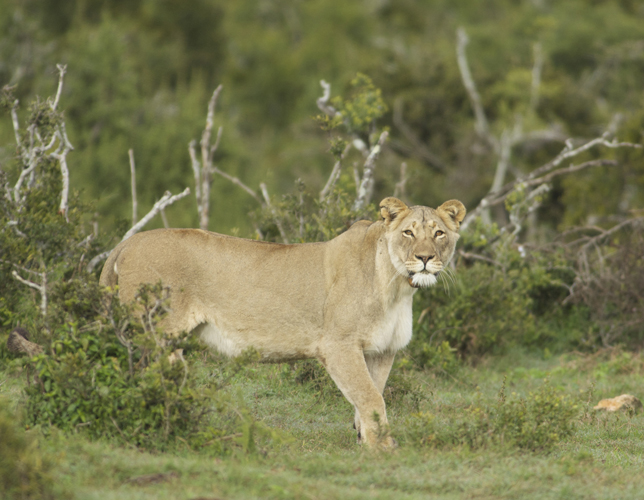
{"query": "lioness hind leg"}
[(379, 366), (348, 369)]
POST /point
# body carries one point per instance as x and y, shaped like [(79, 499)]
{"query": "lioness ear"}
[(391, 207), (452, 212)]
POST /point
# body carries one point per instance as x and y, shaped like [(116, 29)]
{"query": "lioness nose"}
[(425, 258)]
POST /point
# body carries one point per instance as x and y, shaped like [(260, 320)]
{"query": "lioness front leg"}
[(379, 366), (348, 369)]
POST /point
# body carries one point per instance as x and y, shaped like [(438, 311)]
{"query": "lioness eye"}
[(408, 232), (439, 233)]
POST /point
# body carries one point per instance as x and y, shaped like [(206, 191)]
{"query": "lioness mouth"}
[(410, 279)]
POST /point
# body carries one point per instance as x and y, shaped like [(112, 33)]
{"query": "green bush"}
[(485, 311), (24, 472), (114, 378), (537, 423)]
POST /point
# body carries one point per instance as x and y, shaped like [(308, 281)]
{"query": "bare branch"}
[(166, 200), (164, 218), (474, 256), (399, 190), (196, 169), (130, 153), (239, 183), (356, 177), (335, 174), (62, 69), (42, 288), (16, 124), (96, 259), (569, 152), (31, 284), (206, 160), (323, 102), (214, 148), (62, 160), (606, 233), (541, 174), (278, 223), (366, 185), (536, 75), (482, 128)]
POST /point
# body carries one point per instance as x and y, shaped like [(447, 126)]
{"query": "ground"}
[(603, 459)]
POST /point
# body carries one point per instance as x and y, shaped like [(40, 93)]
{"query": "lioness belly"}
[(271, 348)]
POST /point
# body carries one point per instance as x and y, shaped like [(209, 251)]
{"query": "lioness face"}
[(421, 240)]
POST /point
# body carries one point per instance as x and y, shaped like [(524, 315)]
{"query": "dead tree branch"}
[(547, 172), (203, 169), (41, 288), (130, 153), (62, 69), (400, 189), (166, 200), (365, 191), (276, 217), (323, 102), (335, 174), (482, 127)]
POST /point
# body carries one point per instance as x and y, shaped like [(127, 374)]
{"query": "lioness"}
[(346, 302)]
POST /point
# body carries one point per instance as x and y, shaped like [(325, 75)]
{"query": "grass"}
[(604, 458)]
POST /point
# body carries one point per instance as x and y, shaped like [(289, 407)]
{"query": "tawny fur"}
[(346, 302)]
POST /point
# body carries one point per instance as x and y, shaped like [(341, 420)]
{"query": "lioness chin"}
[(346, 302)]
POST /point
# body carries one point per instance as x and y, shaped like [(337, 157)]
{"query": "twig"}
[(16, 124), (482, 128), (335, 174), (130, 153), (239, 183), (42, 288), (539, 176), (62, 69), (366, 185), (196, 169), (323, 102), (206, 160), (399, 190), (473, 256), (166, 200), (278, 223), (536, 75), (62, 159)]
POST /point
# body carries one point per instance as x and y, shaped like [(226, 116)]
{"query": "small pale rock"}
[(623, 402)]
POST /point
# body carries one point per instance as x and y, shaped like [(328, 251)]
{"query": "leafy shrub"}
[(303, 217), (610, 284), (120, 377), (486, 310), (440, 358), (24, 472), (537, 423)]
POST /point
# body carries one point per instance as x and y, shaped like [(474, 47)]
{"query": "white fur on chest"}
[(394, 331)]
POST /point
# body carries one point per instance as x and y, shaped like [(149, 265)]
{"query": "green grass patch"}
[(594, 455)]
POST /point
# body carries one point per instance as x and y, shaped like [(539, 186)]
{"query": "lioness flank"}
[(346, 302)]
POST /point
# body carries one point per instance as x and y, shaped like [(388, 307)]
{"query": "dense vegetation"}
[(534, 107)]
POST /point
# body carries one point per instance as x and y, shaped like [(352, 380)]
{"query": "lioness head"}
[(421, 240)]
